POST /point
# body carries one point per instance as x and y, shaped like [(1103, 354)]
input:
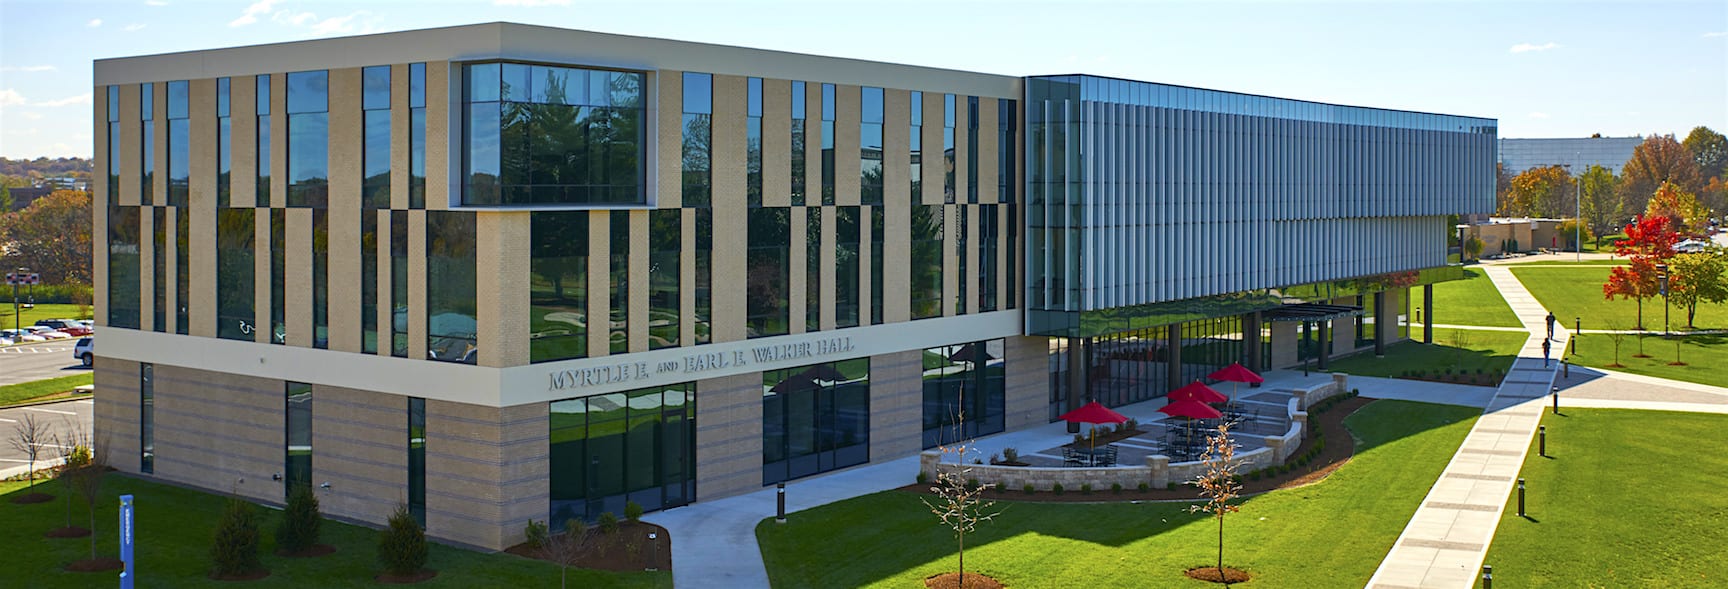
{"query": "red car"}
[(67, 326)]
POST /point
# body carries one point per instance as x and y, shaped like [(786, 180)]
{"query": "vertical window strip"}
[(262, 191), (847, 270), (399, 284), (768, 270), (798, 140), (665, 279), (619, 286), (417, 135), (972, 149), (961, 245), (147, 418), (915, 135), (870, 146), (813, 269), (235, 296), (417, 459), (948, 170), (182, 268), (878, 234), (224, 143), (753, 143), (698, 135), (113, 145), (159, 255), (1007, 113), (297, 436), (147, 114), (827, 144), (179, 143), (321, 278), (704, 275), (278, 276)]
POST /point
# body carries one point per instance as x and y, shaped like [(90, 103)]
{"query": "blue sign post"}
[(126, 573)]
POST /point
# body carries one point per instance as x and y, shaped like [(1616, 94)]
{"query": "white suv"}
[(85, 351)]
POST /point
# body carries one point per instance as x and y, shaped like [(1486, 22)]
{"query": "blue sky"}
[(1544, 69)]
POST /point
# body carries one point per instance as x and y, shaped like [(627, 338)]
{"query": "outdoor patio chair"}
[(1109, 457), (1070, 457)]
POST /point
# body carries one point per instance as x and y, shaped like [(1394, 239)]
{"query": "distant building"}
[(23, 196), (1517, 155)]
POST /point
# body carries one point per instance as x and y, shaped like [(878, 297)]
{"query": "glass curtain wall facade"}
[(963, 387), (541, 134), (815, 419), (637, 445)]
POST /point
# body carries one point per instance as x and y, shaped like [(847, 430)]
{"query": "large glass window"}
[(309, 139), (963, 392), (926, 272), (417, 135), (815, 419), (417, 458), (558, 285), (399, 284), (374, 194), (698, 119), (159, 258), (870, 146), (278, 276), (147, 418), (753, 144), (450, 287), (846, 266), (297, 468), (235, 291), (961, 245), (813, 269), (263, 147), (540, 134), (635, 445), (147, 113), (113, 145), (797, 155), (948, 168), (124, 226), (665, 242), (179, 144), (321, 278), (971, 149), (987, 256), (1007, 115), (369, 280), (827, 144), (618, 287), (769, 266), (915, 133), (182, 268), (878, 234), (224, 144), (704, 274)]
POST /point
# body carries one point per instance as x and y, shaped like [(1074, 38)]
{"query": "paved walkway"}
[(1446, 540)]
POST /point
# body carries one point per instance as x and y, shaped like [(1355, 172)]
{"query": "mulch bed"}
[(67, 532), (1334, 455), (33, 497), (626, 550), (1102, 438), (952, 581), (390, 579), (252, 576), (95, 565), (1211, 574), (313, 551)]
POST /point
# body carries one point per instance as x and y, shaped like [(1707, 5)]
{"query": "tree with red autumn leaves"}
[(1649, 240)]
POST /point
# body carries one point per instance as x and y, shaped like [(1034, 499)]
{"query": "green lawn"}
[(13, 394), (1470, 301), (1627, 500), (1483, 350), (1706, 356), (42, 311), (1614, 262), (1331, 534), (175, 527), (1577, 292)]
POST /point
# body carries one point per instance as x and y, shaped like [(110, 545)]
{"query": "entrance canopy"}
[(1312, 312)]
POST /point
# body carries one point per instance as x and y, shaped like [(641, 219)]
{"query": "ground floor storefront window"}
[(631, 446), (815, 419), (963, 392)]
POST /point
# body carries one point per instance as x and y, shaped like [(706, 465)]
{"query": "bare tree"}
[(1218, 485), (88, 479), (1460, 341), (1616, 334), (28, 437), (959, 505), (566, 547), (74, 453)]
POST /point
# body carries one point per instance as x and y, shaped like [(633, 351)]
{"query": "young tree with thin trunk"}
[(1697, 278), (28, 437), (1616, 334), (88, 479), (1218, 485), (566, 547), (1648, 242), (960, 505), (74, 446)]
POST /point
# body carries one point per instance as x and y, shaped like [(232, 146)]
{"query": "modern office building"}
[(1517, 155), (501, 272)]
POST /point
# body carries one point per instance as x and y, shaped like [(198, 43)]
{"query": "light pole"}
[(1662, 279), (1578, 220)]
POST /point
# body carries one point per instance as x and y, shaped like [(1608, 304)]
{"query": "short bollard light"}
[(653, 552), (1565, 369), (780, 498), (1542, 441), (1520, 497), (1487, 577), (1555, 392)]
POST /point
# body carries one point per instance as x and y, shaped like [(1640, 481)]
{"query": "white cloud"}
[(27, 68), (341, 25), (1716, 34), (94, 22), (293, 18), (1538, 115), (137, 26), (259, 8), (10, 97), (530, 3), (1528, 47), (69, 100)]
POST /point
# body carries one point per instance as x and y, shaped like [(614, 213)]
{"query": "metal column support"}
[(1380, 330), (1251, 341), (1325, 347), (1427, 313), (1173, 349)]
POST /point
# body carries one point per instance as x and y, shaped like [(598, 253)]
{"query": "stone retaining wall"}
[(1157, 472)]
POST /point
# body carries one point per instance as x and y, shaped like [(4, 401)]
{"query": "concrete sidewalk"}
[(1448, 537)]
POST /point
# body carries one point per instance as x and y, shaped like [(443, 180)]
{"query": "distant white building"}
[(1517, 155)]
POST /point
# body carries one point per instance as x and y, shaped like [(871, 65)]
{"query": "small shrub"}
[(536, 534), (1116, 488), (632, 511), (977, 461), (1079, 438), (1144, 487), (1010, 455), (1056, 488), (995, 458), (236, 547), (402, 548), (1170, 486), (301, 521), (1254, 475), (971, 483), (923, 478), (1086, 488), (1028, 489), (607, 523)]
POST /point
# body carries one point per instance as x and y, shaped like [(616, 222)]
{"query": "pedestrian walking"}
[(1545, 347), (1550, 325)]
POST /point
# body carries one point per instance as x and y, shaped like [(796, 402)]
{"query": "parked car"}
[(70, 326), (1691, 246), (21, 336), (85, 351), (5, 341), (47, 332)]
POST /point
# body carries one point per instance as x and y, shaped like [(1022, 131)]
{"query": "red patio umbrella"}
[(1093, 413), (1235, 373), (1190, 409), (1198, 391)]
